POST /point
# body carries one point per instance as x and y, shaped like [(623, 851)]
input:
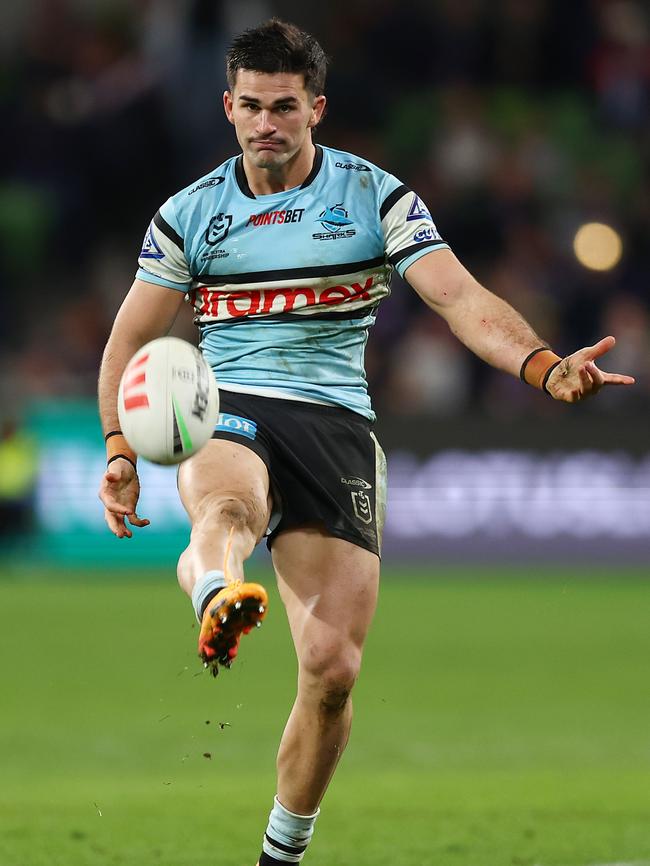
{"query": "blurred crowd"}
[(517, 121)]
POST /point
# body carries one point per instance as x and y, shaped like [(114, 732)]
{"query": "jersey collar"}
[(242, 180)]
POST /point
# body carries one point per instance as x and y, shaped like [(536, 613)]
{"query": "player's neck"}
[(263, 181)]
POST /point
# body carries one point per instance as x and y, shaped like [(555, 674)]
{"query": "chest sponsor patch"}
[(220, 304), (276, 217)]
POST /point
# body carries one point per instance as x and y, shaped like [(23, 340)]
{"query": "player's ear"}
[(227, 105), (317, 111)]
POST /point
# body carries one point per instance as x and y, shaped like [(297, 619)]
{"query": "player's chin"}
[(268, 159)]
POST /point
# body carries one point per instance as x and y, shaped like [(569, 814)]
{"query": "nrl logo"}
[(218, 228), (361, 506)]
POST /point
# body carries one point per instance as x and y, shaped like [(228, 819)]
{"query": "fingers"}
[(117, 525), (134, 520), (596, 375), (590, 380), (586, 385), (618, 379), (600, 348)]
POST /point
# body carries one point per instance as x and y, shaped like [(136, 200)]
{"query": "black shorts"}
[(325, 464)]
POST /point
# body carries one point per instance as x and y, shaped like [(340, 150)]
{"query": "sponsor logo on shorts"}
[(236, 424), (352, 166), (220, 305), (427, 233), (276, 217), (211, 181), (418, 210), (361, 506), (218, 228), (354, 481), (335, 219), (150, 249)]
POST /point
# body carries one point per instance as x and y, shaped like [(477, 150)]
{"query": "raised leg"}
[(225, 491)]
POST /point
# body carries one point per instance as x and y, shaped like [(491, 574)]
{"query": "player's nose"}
[(264, 124)]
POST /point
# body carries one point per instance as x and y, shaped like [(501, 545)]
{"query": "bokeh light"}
[(598, 246)]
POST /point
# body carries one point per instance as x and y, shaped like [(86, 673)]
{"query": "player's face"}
[(272, 114)]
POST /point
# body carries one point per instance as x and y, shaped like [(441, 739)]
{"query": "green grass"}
[(501, 718)]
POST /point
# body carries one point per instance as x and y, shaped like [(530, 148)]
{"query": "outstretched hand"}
[(577, 377), (119, 491)]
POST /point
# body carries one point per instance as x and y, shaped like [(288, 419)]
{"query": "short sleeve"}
[(408, 227), (162, 258)]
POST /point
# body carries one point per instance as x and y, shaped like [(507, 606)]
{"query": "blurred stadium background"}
[(525, 125)]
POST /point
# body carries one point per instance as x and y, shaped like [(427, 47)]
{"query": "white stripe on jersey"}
[(305, 297)]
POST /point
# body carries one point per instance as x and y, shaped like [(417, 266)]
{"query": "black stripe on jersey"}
[(318, 161), (392, 199), (396, 258), (242, 180), (168, 231), (289, 273), (288, 849)]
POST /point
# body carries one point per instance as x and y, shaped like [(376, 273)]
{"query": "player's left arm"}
[(498, 334)]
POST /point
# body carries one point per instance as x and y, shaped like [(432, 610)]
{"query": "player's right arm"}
[(148, 312)]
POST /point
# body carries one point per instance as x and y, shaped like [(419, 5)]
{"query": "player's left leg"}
[(329, 588)]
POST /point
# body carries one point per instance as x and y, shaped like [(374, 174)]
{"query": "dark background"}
[(515, 121)]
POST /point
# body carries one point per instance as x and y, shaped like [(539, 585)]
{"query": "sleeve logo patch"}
[(150, 249), (426, 233), (418, 210)]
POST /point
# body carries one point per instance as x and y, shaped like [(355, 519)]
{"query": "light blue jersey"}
[(285, 286)]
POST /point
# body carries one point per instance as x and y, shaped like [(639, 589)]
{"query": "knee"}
[(329, 674), (243, 513)]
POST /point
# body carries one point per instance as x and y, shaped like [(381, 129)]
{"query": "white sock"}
[(206, 586), (287, 834)]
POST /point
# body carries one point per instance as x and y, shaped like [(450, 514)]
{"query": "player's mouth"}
[(267, 144)]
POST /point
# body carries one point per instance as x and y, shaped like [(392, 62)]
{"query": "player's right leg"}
[(225, 491)]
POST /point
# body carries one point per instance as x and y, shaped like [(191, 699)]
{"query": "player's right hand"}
[(119, 491)]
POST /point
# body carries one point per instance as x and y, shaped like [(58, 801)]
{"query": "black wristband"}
[(112, 433), (522, 371), (547, 375), (123, 457)]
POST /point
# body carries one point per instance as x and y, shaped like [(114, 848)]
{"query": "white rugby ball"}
[(168, 401)]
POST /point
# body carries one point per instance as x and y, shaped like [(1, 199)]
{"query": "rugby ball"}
[(168, 401)]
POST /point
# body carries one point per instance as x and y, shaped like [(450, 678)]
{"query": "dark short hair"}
[(276, 46)]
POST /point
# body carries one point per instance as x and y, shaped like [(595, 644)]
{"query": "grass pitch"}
[(502, 719)]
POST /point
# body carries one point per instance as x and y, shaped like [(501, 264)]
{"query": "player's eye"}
[(285, 109)]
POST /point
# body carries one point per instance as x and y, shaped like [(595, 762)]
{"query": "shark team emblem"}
[(336, 220)]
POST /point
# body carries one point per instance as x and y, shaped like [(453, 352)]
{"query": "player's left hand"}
[(577, 377)]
